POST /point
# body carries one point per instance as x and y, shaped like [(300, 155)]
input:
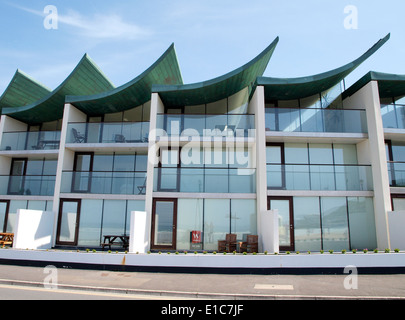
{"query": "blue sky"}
[(211, 37)]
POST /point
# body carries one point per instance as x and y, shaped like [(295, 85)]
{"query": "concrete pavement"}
[(212, 286)]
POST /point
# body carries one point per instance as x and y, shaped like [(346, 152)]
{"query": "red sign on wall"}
[(196, 236)]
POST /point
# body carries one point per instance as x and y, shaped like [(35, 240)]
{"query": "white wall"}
[(33, 230), (396, 221), (138, 237)]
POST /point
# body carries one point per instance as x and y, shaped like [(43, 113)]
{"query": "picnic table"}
[(6, 238), (120, 240)]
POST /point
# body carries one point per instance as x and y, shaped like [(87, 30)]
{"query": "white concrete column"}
[(374, 149), (256, 106), (65, 158), (156, 107), (139, 237)]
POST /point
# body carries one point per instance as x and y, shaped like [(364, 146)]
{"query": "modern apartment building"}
[(199, 161)]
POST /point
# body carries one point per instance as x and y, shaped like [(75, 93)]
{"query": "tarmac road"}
[(207, 286)]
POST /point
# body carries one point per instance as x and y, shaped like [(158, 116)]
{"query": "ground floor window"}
[(100, 217), (8, 218), (209, 220), (331, 223)]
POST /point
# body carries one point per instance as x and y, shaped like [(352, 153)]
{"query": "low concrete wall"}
[(219, 263)]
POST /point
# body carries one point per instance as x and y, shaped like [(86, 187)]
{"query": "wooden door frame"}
[(292, 238), (77, 223), (91, 154), (174, 235)]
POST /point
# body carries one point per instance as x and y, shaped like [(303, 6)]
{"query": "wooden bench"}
[(6, 239)]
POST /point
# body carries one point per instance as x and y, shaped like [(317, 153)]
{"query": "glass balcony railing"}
[(102, 182), (107, 132), (319, 177), (32, 140), (393, 116), (205, 125), (27, 185), (205, 180), (316, 120), (396, 173)]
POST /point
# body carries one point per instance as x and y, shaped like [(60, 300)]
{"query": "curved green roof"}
[(295, 88), (85, 79), (389, 85), (217, 88), (22, 90), (165, 70)]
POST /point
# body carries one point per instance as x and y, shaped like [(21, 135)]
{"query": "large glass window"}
[(362, 223), (243, 217), (335, 229), (189, 218), (216, 222), (307, 224), (114, 215), (90, 223)]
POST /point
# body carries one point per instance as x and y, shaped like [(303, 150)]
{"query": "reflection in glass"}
[(163, 232)]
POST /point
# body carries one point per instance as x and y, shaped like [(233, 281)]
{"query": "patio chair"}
[(251, 244), (227, 245), (119, 138), (79, 138)]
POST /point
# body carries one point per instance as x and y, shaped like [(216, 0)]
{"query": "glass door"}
[(17, 173), (83, 165), (284, 205), (164, 221), (68, 221), (275, 165), (168, 178)]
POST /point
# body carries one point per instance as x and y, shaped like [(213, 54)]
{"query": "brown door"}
[(68, 222), (164, 221), (284, 205)]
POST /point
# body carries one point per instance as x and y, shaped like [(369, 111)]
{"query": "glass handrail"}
[(315, 120), (34, 185), (319, 177), (30, 140)]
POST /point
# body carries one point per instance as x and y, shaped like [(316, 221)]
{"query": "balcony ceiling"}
[(295, 88), (389, 85), (22, 90), (165, 70), (217, 88), (85, 79)]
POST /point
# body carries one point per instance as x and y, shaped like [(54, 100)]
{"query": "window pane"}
[(3, 211), (90, 223), (216, 222), (103, 162), (114, 217), (362, 223), (399, 204), (273, 154), (141, 162), (320, 153), (68, 221), (243, 218), (133, 205), (34, 167), (296, 153), (124, 162), (307, 224), (335, 231), (345, 153), (189, 218), (50, 167)]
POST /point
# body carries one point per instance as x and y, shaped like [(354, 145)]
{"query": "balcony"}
[(27, 185), (102, 182), (205, 125), (319, 177), (108, 132), (205, 180), (393, 116), (315, 120), (32, 140)]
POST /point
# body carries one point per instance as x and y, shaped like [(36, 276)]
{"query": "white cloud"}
[(98, 26)]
